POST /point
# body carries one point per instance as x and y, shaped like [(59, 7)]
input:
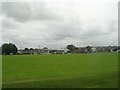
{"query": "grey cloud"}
[(94, 32), (9, 23), (113, 25), (19, 11), (62, 30), (42, 12), (23, 12)]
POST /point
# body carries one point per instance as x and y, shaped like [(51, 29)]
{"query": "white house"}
[(93, 49)]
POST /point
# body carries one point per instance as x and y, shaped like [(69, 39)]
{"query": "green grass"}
[(96, 70)]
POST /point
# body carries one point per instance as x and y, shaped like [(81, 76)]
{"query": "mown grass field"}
[(95, 70)]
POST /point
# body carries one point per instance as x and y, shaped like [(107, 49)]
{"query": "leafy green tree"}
[(88, 49), (71, 47), (13, 48), (45, 48), (9, 48), (26, 49), (31, 49), (5, 49)]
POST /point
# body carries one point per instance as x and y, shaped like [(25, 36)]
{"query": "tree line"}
[(10, 48)]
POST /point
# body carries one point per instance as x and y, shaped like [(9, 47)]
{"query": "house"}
[(100, 49), (20, 52), (80, 50), (66, 51), (52, 51), (93, 49), (105, 48), (44, 51), (34, 51), (60, 51)]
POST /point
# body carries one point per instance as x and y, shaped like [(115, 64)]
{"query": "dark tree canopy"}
[(5, 49), (45, 48), (88, 49), (9, 49), (26, 49), (31, 49), (71, 47)]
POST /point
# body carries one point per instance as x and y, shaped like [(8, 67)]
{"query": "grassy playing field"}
[(95, 70)]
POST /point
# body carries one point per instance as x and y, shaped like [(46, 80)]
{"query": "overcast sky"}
[(57, 23)]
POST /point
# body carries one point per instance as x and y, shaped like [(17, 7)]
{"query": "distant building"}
[(66, 51), (93, 49), (100, 49), (60, 51), (77, 50), (80, 50), (34, 51), (44, 51), (20, 51)]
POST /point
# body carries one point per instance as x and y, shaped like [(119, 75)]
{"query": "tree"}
[(45, 48), (71, 47), (26, 49), (88, 49), (13, 48), (115, 48), (5, 49), (31, 49), (9, 48)]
